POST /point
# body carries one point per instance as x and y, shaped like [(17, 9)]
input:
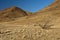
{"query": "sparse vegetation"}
[(46, 23)]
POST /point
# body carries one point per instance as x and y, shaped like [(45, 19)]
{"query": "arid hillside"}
[(41, 25), (10, 14), (51, 13)]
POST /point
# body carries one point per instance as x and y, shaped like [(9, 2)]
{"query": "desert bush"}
[(46, 24)]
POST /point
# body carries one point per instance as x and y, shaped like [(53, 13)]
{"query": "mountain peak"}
[(12, 13), (12, 8)]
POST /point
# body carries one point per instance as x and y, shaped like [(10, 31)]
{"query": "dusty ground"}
[(31, 32)]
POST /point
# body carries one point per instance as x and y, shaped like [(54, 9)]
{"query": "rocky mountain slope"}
[(42, 25), (10, 14), (48, 13)]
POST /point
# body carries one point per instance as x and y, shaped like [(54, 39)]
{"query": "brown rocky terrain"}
[(42, 25), (10, 14)]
